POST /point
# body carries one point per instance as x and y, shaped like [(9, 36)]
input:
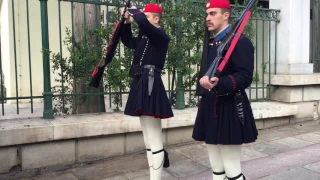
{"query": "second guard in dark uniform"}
[(147, 97), (225, 120)]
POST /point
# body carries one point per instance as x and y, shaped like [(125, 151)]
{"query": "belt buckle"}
[(151, 71)]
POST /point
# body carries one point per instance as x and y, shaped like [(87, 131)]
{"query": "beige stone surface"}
[(274, 122), (8, 158), (305, 112), (100, 147), (295, 80), (21, 131), (179, 135), (287, 94), (134, 142), (311, 93), (48, 154), (262, 110)]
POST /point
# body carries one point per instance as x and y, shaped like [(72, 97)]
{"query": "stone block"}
[(273, 122), (263, 110), (259, 123), (295, 80), (287, 94), (179, 135), (89, 125), (8, 158), (48, 154), (305, 112), (295, 69), (311, 93), (23, 131), (100, 147), (134, 142), (316, 110), (183, 118)]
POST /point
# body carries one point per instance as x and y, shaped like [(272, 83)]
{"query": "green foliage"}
[(256, 77), (264, 67), (72, 69)]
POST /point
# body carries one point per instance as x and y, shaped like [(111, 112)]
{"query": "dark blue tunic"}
[(154, 46), (217, 120)]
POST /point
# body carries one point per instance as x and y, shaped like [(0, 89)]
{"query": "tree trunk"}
[(94, 103), (315, 37)]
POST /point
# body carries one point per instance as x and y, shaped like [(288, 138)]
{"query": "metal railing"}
[(315, 34), (27, 87)]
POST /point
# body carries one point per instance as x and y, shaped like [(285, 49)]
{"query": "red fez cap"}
[(218, 4), (154, 8)]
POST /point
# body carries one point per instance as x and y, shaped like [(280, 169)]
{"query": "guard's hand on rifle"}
[(133, 7), (205, 83), (126, 16)]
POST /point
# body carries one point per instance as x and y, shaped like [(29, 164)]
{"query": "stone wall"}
[(65, 141)]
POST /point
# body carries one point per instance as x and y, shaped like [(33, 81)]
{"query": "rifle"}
[(229, 43), (109, 52)]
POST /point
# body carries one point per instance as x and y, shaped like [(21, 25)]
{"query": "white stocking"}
[(216, 162), (231, 155), (149, 152), (153, 129)]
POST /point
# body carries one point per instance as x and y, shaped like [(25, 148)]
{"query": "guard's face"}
[(152, 18), (215, 19)]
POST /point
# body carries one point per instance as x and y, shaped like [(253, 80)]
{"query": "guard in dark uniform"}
[(225, 120), (147, 97)]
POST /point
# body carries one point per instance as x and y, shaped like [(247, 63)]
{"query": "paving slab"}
[(205, 175), (194, 151), (271, 148), (277, 163), (298, 174), (261, 167), (54, 176), (249, 153), (186, 168), (115, 178), (310, 126), (300, 156), (95, 171), (293, 142), (203, 160), (314, 167), (130, 163), (310, 137), (175, 156), (271, 177), (144, 175)]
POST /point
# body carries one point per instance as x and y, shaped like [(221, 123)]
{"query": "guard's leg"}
[(154, 132), (216, 162), (231, 155), (145, 138)]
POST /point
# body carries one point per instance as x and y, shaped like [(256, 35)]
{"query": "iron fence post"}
[(180, 104), (47, 94)]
